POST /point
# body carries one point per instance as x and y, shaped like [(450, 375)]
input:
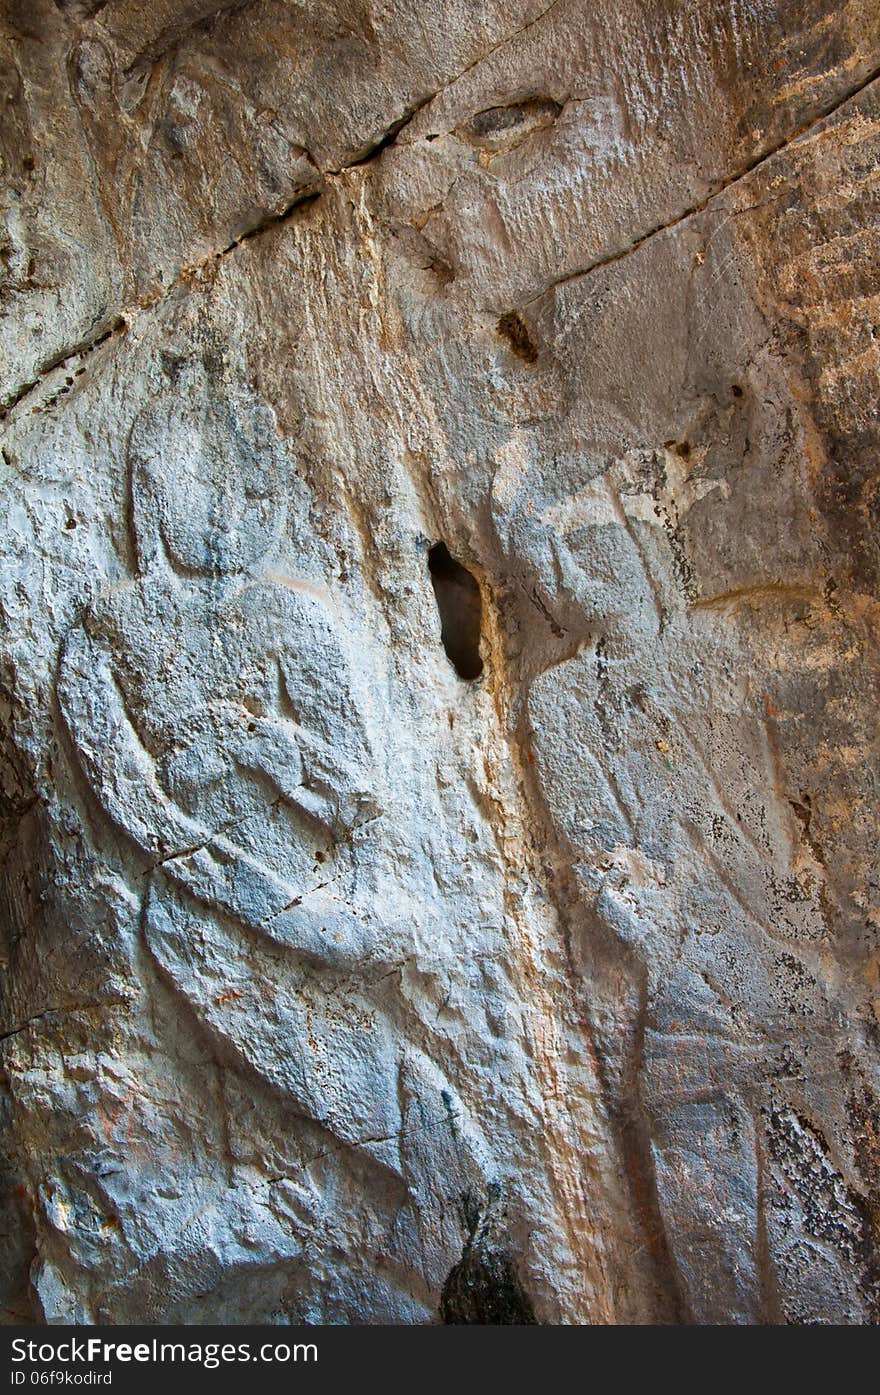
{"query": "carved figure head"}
[(207, 492)]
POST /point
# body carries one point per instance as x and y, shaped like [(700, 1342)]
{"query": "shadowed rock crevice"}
[(514, 330), (461, 611), (483, 1289)]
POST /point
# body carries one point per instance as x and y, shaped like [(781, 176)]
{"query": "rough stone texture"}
[(341, 988)]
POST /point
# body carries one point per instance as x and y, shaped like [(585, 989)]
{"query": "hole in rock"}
[(461, 611), (536, 112), (483, 1289), (514, 329)]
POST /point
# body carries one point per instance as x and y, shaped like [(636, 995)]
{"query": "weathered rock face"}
[(343, 987)]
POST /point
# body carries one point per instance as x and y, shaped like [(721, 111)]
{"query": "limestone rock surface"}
[(440, 590)]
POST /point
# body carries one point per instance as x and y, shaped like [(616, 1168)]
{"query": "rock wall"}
[(440, 586)]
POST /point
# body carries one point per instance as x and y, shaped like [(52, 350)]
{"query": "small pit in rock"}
[(513, 328), (458, 598), (499, 130)]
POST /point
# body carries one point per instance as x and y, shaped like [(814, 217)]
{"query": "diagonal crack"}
[(502, 43), (172, 38), (118, 325), (111, 327), (117, 1001), (84, 348), (208, 838), (63, 359), (721, 187), (431, 1125)]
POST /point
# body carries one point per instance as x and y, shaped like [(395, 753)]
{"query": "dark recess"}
[(514, 329), (461, 611), (483, 1289)]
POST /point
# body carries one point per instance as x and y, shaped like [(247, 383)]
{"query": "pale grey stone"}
[(339, 987)]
